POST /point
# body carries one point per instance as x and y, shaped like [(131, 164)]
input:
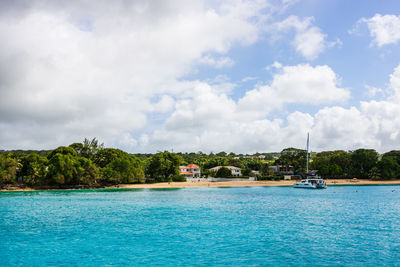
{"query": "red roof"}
[(193, 166)]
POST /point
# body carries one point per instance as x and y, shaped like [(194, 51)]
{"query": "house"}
[(234, 170), (190, 171), (282, 169), (292, 177)]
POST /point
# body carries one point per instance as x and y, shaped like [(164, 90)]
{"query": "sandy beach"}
[(252, 183), (224, 184)]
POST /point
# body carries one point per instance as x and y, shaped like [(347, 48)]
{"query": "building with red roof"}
[(190, 171)]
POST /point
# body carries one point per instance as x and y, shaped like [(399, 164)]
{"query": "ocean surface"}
[(248, 226)]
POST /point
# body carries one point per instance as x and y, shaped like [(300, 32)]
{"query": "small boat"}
[(312, 181)]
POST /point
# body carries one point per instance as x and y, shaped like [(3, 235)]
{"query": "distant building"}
[(190, 171), (282, 169), (292, 177), (234, 170)]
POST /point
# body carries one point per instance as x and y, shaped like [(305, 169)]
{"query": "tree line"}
[(361, 163), (90, 164), (86, 164)]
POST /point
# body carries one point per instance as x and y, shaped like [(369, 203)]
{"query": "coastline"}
[(172, 185)]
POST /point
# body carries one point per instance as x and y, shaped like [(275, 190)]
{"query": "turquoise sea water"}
[(255, 226)]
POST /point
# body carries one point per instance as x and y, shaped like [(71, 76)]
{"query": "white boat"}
[(311, 181)]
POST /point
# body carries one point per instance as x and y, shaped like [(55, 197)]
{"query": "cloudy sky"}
[(240, 76)]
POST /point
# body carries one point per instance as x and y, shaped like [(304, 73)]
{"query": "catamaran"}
[(312, 181)]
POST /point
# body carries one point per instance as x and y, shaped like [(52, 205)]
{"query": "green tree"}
[(395, 154), (221, 154), (254, 164), (124, 169), (34, 169), (8, 170), (223, 172), (389, 168), (87, 171), (63, 150), (63, 169), (216, 161), (246, 172), (332, 164), (105, 156), (374, 174), (77, 147), (293, 157), (362, 161), (163, 166), (265, 170), (90, 147)]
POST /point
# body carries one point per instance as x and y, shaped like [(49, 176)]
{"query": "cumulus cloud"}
[(84, 69), (217, 62), (211, 121), (80, 69), (309, 40), (383, 29), (374, 124), (300, 84)]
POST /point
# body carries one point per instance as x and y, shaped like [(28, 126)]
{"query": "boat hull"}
[(310, 184), (305, 186)]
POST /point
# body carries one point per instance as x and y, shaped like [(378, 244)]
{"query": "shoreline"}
[(176, 185)]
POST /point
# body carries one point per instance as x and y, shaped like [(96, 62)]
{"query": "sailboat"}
[(312, 181)]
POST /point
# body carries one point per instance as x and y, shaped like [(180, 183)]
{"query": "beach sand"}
[(229, 184), (253, 183)]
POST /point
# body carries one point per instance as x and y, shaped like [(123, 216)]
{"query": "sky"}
[(199, 75)]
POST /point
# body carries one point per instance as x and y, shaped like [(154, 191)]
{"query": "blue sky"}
[(240, 76), (355, 61)]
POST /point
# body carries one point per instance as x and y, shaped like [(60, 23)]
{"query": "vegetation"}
[(89, 164), (223, 172), (163, 167)]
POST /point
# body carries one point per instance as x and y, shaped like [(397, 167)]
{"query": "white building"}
[(190, 171), (234, 170)]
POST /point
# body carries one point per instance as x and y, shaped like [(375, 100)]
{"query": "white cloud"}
[(383, 29), (373, 91), (84, 69), (248, 78), (309, 40), (211, 121), (217, 62), (395, 84), (275, 65), (375, 124), (301, 84)]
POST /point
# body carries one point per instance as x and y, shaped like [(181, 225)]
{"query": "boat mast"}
[(308, 142)]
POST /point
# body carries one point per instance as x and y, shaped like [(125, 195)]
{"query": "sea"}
[(245, 226)]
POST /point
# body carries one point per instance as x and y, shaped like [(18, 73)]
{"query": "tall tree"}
[(223, 172), (34, 169), (362, 161), (8, 170), (389, 165), (332, 164), (105, 156), (293, 157), (163, 166), (90, 147), (63, 169), (63, 150)]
